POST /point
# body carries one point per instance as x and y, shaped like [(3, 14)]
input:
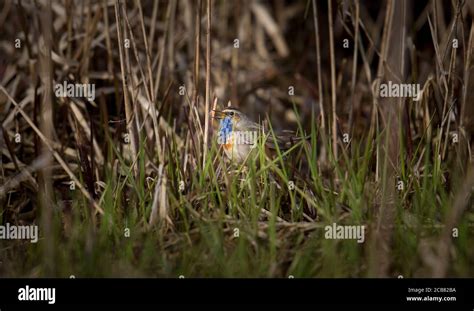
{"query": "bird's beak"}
[(218, 114)]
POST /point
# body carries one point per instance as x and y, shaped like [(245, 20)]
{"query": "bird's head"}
[(234, 117), (231, 113)]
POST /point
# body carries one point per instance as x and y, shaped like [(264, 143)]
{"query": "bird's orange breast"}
[(230, 142)]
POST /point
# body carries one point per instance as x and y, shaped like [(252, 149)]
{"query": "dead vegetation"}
[(142, 155)]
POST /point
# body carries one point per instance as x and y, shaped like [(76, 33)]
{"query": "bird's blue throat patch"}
[(225, 129)]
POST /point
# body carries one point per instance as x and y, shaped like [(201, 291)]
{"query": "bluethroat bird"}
[(239, 136)]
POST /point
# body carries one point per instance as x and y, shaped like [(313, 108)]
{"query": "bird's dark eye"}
[(231, 113)]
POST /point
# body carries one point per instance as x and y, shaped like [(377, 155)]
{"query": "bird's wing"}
[(285, 140), (249, 134)]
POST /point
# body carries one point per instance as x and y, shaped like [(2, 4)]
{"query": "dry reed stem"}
[(208, 83), (129, 111), (333, 81), (354, 63), (320, 83), (46, 123), (197, 46)]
